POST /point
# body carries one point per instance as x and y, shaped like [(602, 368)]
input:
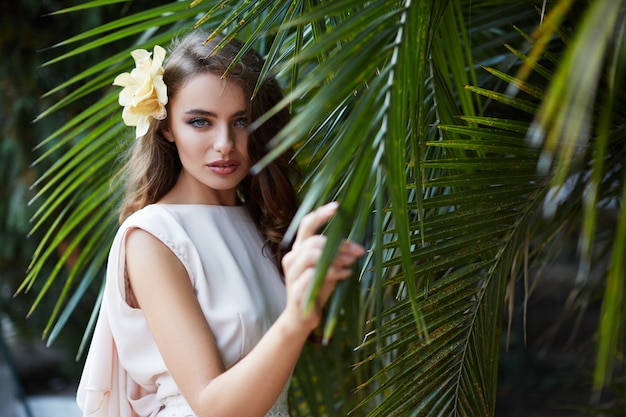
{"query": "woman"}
[(202, 313)]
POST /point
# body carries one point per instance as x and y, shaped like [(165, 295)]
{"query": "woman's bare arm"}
[(164, 292)]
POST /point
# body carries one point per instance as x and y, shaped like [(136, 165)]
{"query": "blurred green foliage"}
[(28, 33)]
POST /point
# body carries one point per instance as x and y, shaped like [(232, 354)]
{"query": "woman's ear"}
[(167, 132)]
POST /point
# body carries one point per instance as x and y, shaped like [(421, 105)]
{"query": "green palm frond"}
[(476, 218), (580, 109)]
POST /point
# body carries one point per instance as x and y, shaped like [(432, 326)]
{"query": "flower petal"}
[(144, 95), (140, 55), (123, 79), (161, 89), (142, 127), (130, 118), (157, 61)]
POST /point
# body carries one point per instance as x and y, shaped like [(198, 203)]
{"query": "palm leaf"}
[(565, 121)]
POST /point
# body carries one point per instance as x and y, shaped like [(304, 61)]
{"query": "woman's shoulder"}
[(155, 219), (174, 219), (157, 209), (164, 212), (149, 211), (190, 214)]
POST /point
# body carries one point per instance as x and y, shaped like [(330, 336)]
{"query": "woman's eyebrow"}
[(201, 112), (207, 113), (240, 113)]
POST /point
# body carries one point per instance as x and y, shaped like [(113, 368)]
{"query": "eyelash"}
[(242, 121), (200, 122)]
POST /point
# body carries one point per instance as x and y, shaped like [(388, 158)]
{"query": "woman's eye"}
[(242, 122), (198, 122)]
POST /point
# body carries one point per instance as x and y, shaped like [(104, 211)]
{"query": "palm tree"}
[(464, 140)]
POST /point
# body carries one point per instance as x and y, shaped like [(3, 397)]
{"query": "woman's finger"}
[(310, 223), (350, 250)]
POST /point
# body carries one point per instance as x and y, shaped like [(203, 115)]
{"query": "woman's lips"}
[(223, 167)]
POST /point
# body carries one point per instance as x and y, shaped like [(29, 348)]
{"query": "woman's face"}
[(208, 121)]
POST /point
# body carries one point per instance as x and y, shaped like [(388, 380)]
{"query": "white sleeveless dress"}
[(237, 286)]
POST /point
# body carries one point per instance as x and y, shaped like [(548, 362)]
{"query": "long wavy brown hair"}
[(153, 165)]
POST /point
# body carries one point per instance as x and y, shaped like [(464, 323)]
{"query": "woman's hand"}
[(300, 263)]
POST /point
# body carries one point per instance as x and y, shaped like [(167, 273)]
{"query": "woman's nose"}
[(224, 142)]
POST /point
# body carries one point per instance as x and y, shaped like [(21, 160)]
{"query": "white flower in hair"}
[(144, 95)]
